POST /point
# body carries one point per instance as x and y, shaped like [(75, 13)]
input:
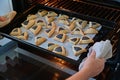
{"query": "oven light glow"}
[(58, 60), (56, 76)]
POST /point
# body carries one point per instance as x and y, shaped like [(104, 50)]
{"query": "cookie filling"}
[(85, 38), (77, 29), (80, 22), (39, 21), (50, 44), (22, 34), (38, 37), (25, 22), (61, 29), (34, 27), (59, 36), (48, 30), (74, 39), (58, 49), (77, 48)]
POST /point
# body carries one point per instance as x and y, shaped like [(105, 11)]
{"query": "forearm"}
[(81, 75)]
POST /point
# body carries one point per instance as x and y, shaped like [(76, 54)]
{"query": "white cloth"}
[(103, 49)]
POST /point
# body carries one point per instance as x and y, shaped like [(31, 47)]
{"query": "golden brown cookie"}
[(52, 13), (35, 29), (16, 32), (91, 31), (61, 17), (49, 19), (40, 23), (62, 30), (28, 23), (51, 46), (60, 50), (52, 25), (50, 32), (23, 36), (94, 24), (86, 40), (78, 31), (77, 49), (60, 37), (72, 25), (81, 24), (39, 40), (42, 12), (63, 21), (31, 17), (74, 40)]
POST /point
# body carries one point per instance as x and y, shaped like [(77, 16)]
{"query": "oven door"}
[(22, 65), (28, 66)]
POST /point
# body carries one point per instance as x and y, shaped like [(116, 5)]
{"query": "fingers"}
[(93, 54)]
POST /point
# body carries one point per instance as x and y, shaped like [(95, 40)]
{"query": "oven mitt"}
[(103, 49), (9, 17)]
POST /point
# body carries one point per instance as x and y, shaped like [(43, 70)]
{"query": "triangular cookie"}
[(40, 23), (81, 24), (52, 13), (52, 25), (28, 23), (72, 25), (74, 40), (16, 32), (31, 16), (60, 50), (62, 16), (91, 31), (62, 30), (86, 40), (42, 12), (35, 29), (78, 50), (94, 24), (23, 36), (49, 19), (39, 40), (51, 46), (78, 31), (63, 21), (50, 32), (60, 37)]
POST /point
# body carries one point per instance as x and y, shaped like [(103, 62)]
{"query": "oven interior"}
[(107, 14)]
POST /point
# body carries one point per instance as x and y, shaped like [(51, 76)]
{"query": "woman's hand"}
[(92, 65)]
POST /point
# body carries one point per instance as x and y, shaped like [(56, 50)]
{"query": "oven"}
[(107, 13)]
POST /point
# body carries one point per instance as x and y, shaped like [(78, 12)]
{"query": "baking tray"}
[(44, 52)]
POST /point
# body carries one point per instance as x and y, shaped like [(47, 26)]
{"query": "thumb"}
[(93, 54)]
